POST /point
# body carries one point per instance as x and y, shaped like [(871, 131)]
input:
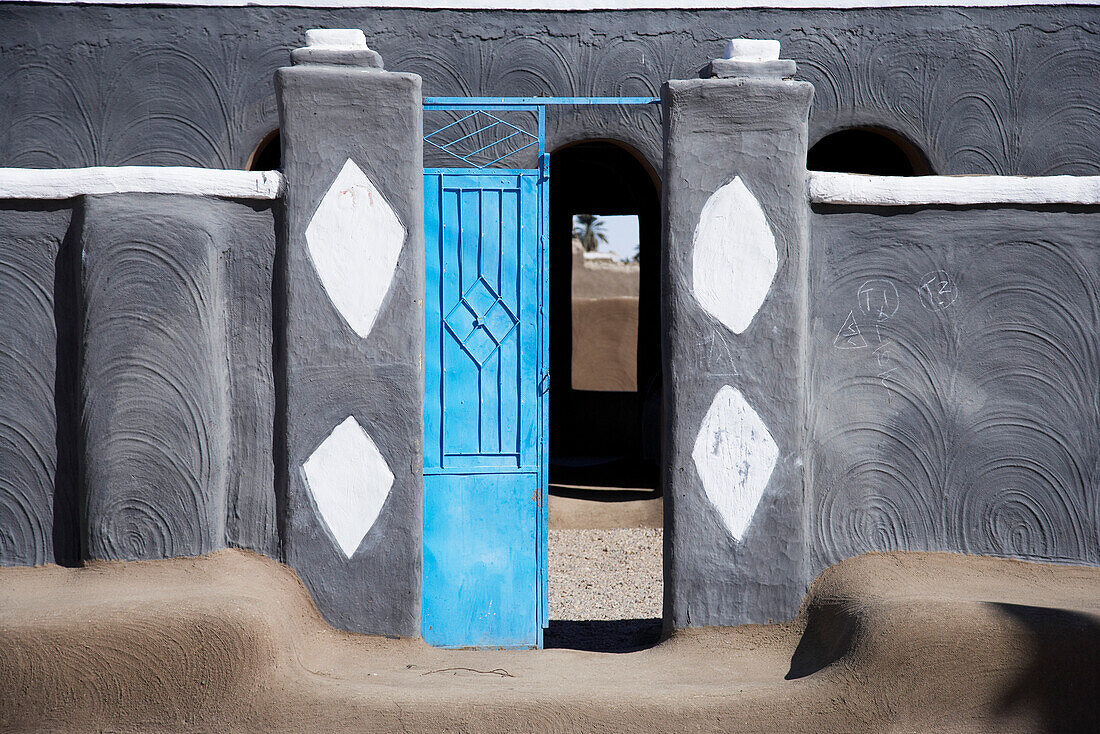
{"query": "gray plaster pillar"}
[(734, 315), (353, 282)]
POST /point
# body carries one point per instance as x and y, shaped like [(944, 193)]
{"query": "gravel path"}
[(605, 574)]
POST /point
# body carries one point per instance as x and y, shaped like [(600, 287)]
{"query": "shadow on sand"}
[(617, 635), (1062, 682)]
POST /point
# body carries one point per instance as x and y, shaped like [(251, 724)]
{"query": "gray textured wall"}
[(32, 484), (967, 419), (996, 90), (136, 344), (154, 381), (176, 453), (964, 422)]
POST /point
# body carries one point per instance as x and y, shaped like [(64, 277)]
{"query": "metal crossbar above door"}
[(543, 101)]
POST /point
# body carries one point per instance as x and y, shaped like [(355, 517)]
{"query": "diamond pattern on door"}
[(480, 321)]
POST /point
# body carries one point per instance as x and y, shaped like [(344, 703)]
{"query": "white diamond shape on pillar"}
[(354, 240), (734, 258), (349, 481), (734, 454)]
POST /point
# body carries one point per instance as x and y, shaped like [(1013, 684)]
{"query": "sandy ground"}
[(605, 574), (606, 588), (573, 513), (231, 642)]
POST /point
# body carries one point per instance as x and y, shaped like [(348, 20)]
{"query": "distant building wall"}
[(604, 296)]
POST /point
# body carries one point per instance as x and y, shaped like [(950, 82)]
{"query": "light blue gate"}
[(485, 490), (485, 371)]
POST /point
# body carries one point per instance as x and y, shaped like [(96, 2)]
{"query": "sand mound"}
[(950, 642), (231, 642)]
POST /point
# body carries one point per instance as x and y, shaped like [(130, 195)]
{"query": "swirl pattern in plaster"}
[(155, 393), (970, 428), (349, 481), (354, 240), (1011, 95), (734, 258), (735, 455), (1007, 104), (28, 459)]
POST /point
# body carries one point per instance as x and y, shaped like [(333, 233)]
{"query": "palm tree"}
[(588, 228)]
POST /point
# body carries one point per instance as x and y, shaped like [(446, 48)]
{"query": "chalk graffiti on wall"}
[(937, 290), (987, 439), (878, 302)]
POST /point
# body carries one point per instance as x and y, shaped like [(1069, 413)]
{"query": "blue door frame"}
[(486, 367)]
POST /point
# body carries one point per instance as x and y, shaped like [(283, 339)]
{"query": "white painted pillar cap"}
[(336, 38), (752, 50)]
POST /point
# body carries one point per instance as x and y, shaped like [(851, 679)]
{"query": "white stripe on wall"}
[(65, 183), (859, 190)]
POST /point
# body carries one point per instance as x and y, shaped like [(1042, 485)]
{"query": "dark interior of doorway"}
[(268, 155), (604, 444), (874, 151), (598, 438)]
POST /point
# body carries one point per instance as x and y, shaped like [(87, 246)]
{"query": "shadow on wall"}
[(67, 311), (828, 637), (1056, 688)]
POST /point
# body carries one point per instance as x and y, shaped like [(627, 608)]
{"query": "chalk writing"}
[(884, 358), (937, 290), (878, 298), (849, 336)]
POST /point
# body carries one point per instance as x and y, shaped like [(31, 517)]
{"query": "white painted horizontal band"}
[(858, 190), (535, 5), (65, 183)]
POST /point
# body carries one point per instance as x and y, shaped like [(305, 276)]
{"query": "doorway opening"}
[(605, 399), (869, 150)]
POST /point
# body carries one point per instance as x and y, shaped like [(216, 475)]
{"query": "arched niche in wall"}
[(268, 155), (870, 150), (604, 316)]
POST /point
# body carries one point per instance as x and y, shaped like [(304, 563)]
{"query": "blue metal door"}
[(485, 491)]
